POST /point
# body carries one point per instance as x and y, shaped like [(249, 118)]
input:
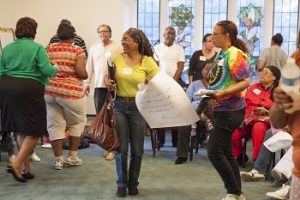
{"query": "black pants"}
[(184, 133), (6, 143), (99, 98), (219, 149)]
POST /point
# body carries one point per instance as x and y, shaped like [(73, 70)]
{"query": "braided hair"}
[(230, 28), (144, 46)]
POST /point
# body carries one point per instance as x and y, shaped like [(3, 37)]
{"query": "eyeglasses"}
[(266, 72), (103, 31), (214, 33)]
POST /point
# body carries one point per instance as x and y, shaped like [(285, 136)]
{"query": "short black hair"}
[(65, 21), (277, 39), (26, 28), (206, 36), (65, 31)]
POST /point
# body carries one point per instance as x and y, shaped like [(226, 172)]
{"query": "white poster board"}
[(280, 140), (286, 164), (163, 103)]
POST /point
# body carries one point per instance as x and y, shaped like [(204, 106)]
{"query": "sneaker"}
[(12, 158), (59, 164), (234, 197), (73, 161), (110, 156), (282, 193), (34, 157), (278, 176), (47, 146), (252, 176), (105, 153)]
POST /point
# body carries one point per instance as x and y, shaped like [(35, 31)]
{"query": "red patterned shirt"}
[(66, 84)]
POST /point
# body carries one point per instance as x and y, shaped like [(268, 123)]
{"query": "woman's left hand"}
[(261, 111), (147, 79)]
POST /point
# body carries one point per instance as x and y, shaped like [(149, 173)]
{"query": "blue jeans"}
[(219, 148), (131, 129), (264, 158)]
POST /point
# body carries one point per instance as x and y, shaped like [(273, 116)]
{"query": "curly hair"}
[(26, 28), (144, 46), (230, 28)]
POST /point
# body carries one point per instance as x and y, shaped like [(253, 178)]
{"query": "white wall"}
[(84, 15)]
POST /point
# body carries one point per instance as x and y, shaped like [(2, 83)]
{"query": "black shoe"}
[(180, 160), (27, 175), (133, 191), (121, 192), (11, 170)]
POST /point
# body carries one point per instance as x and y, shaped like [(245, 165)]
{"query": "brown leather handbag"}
[(102, 130)]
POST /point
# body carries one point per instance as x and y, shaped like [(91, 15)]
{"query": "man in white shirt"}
[(170, 57), (97, 64)]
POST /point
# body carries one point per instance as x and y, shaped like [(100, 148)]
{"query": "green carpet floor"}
[(160, 179)]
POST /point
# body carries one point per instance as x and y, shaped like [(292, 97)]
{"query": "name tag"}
[(256, 91), (202, 58), (127, 70), (221, 62)]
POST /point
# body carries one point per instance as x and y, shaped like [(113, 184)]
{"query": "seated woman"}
[(259, 101)]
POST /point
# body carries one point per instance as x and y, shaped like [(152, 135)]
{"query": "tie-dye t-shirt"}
[(230, 68)]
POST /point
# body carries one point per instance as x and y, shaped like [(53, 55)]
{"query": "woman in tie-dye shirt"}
[(228, 77)]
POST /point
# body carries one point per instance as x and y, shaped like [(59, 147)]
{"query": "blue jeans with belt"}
[(131, 129)]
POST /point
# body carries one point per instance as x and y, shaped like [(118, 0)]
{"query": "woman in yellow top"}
[(134, 66)]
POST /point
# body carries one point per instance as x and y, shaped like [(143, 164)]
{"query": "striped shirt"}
[(66, 84)]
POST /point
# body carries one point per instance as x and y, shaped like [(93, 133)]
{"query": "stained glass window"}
[(285, 22), (214, 11), (250, 24), (181, 15), (148, 19)]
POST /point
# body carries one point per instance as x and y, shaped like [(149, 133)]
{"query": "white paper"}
[(286, 164), (204, 92), (280, 140), (6, 37), (163, 103)]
